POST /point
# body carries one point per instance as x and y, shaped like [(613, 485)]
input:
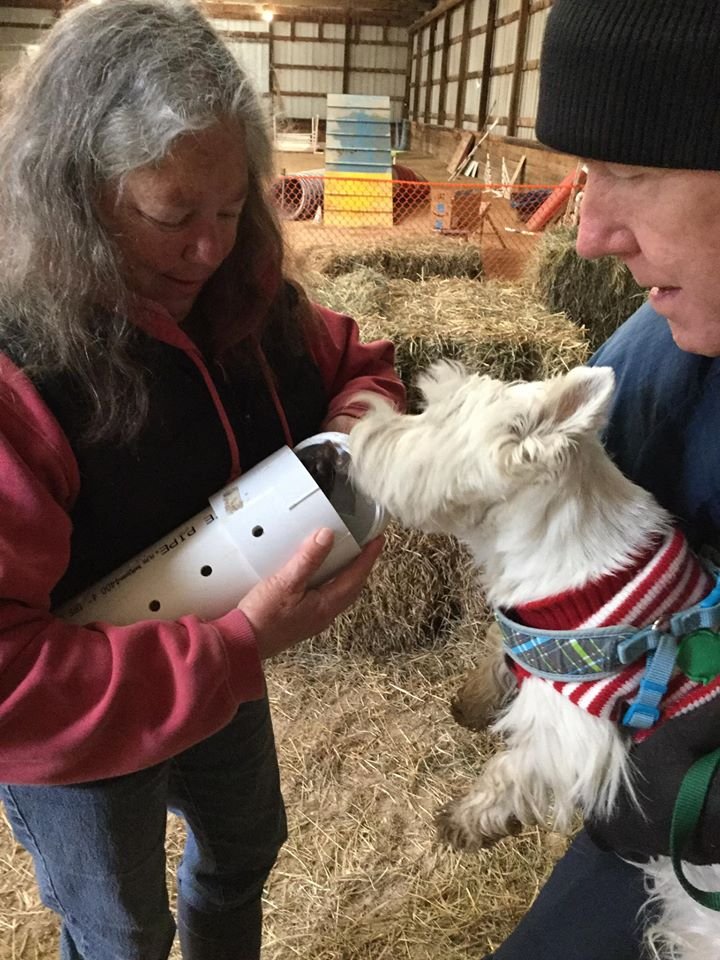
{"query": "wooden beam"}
[(329, 68), (54, 5), (487, 64), (408, 77), (271, 61), (524, 14), (445, 6), (320, 94), (442, 96), (347, 45), (386, 9), (463, 69), (16, 25), (260, 35), (418, 70), (382, 13), (430, 70), (338, 40)]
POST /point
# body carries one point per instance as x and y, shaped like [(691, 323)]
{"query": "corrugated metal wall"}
[(298, 62), (461, 67), (249, 42), (20, 30), (476, 61)]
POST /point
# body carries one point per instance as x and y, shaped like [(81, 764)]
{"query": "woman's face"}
[(665, 225), (176, 222)]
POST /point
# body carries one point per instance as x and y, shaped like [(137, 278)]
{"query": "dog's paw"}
[(472, 713), (464, 833), (487, 689)]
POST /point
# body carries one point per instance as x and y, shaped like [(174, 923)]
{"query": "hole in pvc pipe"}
[(154, 605), (205, 571), (257, 531)]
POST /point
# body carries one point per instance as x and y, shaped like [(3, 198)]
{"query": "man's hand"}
[(658, 765), (283, 609)]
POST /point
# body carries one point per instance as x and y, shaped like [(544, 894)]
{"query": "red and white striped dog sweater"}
[(667, 579)]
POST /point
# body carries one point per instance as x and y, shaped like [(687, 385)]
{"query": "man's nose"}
[(603, 228)]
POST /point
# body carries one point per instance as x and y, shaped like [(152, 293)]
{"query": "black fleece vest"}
[(133, 494)]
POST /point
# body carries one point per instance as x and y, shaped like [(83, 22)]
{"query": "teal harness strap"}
[(686, 816)]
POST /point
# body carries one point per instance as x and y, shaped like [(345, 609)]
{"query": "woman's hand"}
[(283, 609)]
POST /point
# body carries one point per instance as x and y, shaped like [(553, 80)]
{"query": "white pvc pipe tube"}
[(250, 529)]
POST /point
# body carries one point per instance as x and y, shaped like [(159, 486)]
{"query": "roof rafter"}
[(363, 10), (366, 11)]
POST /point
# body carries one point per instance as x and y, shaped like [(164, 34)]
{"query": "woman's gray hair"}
[(111, 88)]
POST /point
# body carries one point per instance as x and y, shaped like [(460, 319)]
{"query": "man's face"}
[(665, 225)]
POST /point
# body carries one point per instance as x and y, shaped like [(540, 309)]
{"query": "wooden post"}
[(408, 78), (442, 97), (463, 69), (418, 78), (430, 71), (487, 64), (518, 67), (271, 58), (346, 56)]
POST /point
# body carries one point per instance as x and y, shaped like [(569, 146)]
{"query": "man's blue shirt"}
[(664, 430)]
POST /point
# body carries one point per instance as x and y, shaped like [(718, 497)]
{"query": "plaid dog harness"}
[(616, 638)]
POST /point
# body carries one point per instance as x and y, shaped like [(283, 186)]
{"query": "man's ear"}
[(572, 405)]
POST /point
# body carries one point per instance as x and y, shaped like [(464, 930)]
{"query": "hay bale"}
[(409, 259), (422, 585), (362, 292), (599, 294), (494, 328)]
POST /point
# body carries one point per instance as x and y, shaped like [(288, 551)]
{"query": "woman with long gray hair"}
[(151, 350)]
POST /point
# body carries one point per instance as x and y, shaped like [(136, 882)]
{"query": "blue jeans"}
[(99, 849), (591, 908)]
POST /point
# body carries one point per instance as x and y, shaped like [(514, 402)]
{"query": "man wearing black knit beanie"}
[(633, 88)]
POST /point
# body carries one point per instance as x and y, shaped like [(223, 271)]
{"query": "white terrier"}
[(562, 541)]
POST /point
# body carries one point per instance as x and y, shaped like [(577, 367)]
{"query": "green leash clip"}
[(699, 655)]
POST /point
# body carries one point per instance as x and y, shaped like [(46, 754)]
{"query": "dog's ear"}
[(578, 402), (441, 379), (573, 405)]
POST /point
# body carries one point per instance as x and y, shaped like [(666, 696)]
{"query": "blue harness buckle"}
[(640, 716), (644, 711)]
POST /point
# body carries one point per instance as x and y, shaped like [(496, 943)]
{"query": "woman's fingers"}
[(306, 561), (283, 609), (348, 583)]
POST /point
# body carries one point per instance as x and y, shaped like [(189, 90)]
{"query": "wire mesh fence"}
[(325, 212)]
